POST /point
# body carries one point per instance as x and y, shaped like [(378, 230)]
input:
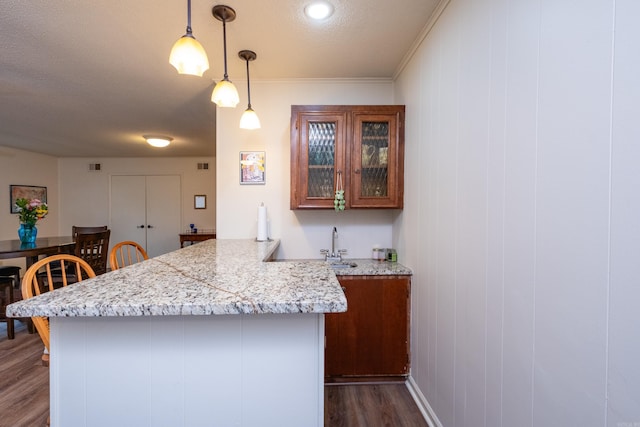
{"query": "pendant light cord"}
[(189, 33), (224, 40), (248, 86)]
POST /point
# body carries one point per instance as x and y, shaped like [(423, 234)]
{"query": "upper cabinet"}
[(355, 148)]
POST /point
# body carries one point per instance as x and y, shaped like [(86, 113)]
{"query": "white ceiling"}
[(88, 78)]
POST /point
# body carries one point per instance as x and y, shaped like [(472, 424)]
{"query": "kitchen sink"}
[(333, 264), (342, 264)]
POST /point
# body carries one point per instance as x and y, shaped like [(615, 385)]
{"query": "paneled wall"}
[(522, 211)]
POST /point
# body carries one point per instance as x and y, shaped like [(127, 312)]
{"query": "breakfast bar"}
[(208, 335)]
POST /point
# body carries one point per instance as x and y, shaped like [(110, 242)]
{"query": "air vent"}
[(95, 167), (203, 166)]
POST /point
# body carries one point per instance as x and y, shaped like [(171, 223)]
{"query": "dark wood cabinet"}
[(370, 341), (357, 148)]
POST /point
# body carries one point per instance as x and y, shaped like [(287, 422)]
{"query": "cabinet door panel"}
[(394, 326), (372, 337), (317, 159), (375, 178)]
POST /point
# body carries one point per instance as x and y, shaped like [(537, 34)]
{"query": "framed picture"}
[(252, 167), (26, 192), (200, 201)]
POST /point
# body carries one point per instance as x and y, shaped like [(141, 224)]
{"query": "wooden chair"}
[(34, 284), (9, 293), (126, 253), (12, 272), (6, 298), (75, 229), (94, 249)]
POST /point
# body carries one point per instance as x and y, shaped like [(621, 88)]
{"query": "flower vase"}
[(27, 233)]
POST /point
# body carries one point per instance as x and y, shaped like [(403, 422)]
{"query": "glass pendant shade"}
[(225, 94), (188, 56), (249, 120)]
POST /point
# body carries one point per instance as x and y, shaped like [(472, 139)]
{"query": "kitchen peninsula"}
[(208, 335)]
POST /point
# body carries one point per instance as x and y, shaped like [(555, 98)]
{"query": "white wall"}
[(302, 233), (26, 168), (521, 213), (84, 194), (77, 196)]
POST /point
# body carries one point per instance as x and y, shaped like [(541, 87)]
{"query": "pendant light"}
[(225, 93), (188, 55), (249, 119)]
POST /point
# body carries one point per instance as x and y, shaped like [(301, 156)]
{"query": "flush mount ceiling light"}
[(158, 140), (319, 10), (188, 55), (225, 93), (249, 119)]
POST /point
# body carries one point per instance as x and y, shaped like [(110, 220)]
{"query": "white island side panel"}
[(233, 370)]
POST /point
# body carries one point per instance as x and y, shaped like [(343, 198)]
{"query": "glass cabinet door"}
[(321, 158), (374, 160)]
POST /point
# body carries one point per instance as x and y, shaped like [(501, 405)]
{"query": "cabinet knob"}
[(344, 289), (149, 226), (140, 226), (356, 171)]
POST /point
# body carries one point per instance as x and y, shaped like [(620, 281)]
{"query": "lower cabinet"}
[(370, 341)]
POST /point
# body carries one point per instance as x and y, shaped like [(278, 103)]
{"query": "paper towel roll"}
[(262, 223)]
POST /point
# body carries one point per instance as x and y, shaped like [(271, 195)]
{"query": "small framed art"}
[(26, 192), (200, 201), (252, 167)]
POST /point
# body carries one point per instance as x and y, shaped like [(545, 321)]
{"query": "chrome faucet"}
[(334, 237), (335, 254)]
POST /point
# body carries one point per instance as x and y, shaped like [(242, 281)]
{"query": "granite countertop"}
[(364, 267), (213, 277), (370, 267)]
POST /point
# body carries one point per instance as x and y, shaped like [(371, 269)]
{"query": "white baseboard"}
[(423, 404)]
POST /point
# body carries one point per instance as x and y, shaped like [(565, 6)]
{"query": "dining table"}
[(32, 251)]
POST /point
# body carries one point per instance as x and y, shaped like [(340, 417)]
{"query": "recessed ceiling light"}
[(319, 10), (158, 141)]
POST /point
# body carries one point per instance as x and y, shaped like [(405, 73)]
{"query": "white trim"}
[(318, 80), (423, 35), (426, 410)]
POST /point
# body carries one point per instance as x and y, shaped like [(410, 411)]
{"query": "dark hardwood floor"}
[(24, 392), (24, 381), (370, 405)]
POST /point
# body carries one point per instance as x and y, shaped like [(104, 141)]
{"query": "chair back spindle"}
[(93, 248), (126, 253)]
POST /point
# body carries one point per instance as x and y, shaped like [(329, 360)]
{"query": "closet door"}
[(147, 210), (163, 214), (128, 210)]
